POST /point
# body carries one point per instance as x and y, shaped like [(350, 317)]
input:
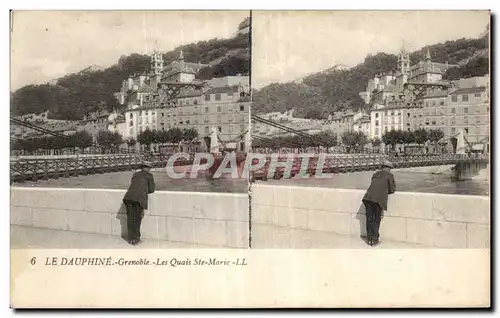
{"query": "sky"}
[(287, 46), (46, 45)]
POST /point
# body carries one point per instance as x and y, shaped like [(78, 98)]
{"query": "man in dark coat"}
[(136, 201), (375, 201)]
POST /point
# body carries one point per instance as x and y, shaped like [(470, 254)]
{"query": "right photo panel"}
[(370, 129)]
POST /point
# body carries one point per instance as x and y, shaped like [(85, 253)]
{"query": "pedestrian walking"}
[(375, 200), (136, 201)]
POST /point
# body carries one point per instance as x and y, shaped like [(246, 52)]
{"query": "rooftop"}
[(222, 89), (471, 90)]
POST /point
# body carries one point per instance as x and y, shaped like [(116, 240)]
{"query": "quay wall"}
[(425, 219), (209, 219)]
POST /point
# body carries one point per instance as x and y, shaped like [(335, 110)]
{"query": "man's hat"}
[(387, 163), (147, 164)]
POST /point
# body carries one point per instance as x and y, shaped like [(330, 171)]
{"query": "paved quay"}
[(22, 237)]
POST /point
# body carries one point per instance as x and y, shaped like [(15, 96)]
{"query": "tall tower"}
[(404, 60), (404, 67), (156, 61)]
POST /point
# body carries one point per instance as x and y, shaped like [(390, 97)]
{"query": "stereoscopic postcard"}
[(250, 159)]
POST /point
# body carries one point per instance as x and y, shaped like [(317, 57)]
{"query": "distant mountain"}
[(338, 87), (73, 95)]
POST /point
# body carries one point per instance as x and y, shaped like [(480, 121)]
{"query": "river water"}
[(121, 180), (426, 179)]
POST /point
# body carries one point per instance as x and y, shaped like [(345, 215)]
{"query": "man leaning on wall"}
[(136, 201), (375, 201)]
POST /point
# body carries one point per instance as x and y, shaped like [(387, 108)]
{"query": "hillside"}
[(338, 88), (76, 94)]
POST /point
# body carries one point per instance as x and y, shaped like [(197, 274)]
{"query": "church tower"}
[(404, 61), (156, 62), (404, 68)]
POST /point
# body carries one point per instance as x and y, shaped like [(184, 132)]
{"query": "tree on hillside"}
[(146, 138), (189, 134), (328, 137), (81, 139), (108, 140), (421, 136), (130, 142), (476, 67), (435, 135), (79, 93), (393, 137), (175, 135), (354, 139)]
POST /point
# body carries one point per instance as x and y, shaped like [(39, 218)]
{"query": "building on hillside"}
[(469, 110), (172, 97), (94, 122), (362, 124), (427, 71), (384, 119)]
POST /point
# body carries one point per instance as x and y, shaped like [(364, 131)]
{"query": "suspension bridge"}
[(322, 160), (340, 161)]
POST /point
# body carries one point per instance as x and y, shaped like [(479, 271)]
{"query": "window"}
[(206, 119), (453, 120), (478, 120), (196, 101), (465, 98), (229, 93), (433, 122), (408, 114), (230, 118), (220, 129), (466, 120), (206, 109), (206, 129), (376, 115), (162, 114), (477, 95), (187, 122), (131, 123), (453, 130), (242, 108), (207, 98), (453, 110), (466, 110), (433, 103), (376, 123), (454, 98), (466, 130), (242, 128), (218, 109), (441, 103), (217, 96)]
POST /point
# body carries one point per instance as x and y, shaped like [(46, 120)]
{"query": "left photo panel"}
[(129, 129)]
